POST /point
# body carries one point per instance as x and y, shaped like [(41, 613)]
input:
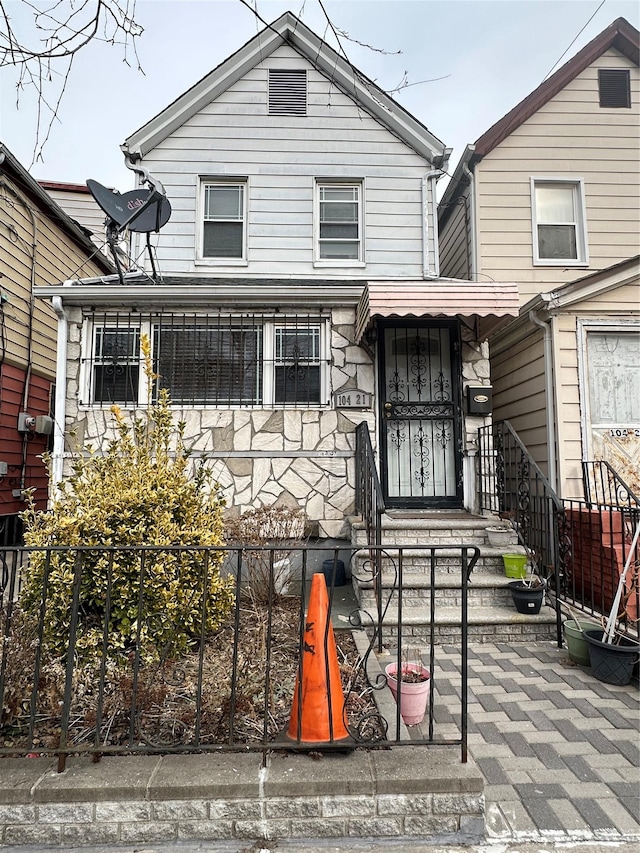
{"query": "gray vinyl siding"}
[(454, 241), (281, 157), (518, 379), (570, 136)]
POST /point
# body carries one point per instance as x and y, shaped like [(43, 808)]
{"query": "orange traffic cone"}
[(317, 713)]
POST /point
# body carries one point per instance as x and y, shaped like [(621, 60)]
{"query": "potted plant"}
[(612, 655), (528, 591), (499, 535), (412, 687), (577, 647)]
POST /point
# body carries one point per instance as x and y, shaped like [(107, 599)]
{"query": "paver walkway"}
[(559, 750)]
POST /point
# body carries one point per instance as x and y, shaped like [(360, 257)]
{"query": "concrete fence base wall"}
[(404, 792)]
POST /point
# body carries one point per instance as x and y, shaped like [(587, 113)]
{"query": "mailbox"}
[(479, 399)]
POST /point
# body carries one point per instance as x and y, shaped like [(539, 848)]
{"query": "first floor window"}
[(115, 373), (223, 233), (211, 360), (297, 364), (559, 228), (339, 222)]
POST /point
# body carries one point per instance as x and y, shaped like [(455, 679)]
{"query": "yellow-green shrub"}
[(139, 493)]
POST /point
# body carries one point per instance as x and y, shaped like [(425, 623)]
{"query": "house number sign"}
[(352, 399)]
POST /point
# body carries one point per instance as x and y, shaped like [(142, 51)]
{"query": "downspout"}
[(549, 397), (430, 207), (473, 235), (57, 455)]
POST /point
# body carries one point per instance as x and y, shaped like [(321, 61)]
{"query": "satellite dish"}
[(141, 210)]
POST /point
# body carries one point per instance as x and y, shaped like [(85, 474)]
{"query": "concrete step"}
[(484, 590), (416, 561), (428, 528), (485, 625)]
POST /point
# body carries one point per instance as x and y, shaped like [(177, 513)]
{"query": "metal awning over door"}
[(492, 303)]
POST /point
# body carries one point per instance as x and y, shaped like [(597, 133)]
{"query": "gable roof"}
[(291, 31), (620, 35)]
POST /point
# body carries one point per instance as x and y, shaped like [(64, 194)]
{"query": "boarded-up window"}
[(614, 377)]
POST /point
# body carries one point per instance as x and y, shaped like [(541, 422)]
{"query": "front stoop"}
[(492, 616), (405, 792)]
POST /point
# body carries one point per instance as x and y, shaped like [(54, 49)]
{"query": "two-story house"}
[(550, 197), (299, 293), (39, 244)]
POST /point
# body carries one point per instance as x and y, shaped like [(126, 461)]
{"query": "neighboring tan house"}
[(77, 201), (299, 293), (550, 197), (39, 244)]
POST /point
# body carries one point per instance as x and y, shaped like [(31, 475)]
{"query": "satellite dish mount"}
[(142, 210)]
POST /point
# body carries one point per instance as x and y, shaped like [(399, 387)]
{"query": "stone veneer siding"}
[(295, 457)]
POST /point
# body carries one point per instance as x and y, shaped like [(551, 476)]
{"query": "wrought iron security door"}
[(420, 462)]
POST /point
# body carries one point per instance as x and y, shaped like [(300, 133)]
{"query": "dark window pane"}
[(348, 251), (338, 232), (557, 242), (298, 384), (115, 383), (222, 240)]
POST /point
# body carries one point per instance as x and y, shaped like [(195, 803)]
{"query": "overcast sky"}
[(489, 53)]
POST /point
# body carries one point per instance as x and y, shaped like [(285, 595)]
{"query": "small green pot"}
[(515, 565)]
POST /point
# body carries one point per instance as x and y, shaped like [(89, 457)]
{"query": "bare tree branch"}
[(43, 38)]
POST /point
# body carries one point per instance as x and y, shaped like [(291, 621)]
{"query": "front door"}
[(420, 415)]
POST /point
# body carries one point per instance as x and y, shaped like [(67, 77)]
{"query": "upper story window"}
[(614, 87), (224, 219), (559, 229), (205, 360), (339, 222), (287, 92)]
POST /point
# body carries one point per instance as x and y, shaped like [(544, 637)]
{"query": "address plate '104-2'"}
[(352, 399)]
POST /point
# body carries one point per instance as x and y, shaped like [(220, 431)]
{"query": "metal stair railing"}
[(603, 486), (370, 505), (512, 485)]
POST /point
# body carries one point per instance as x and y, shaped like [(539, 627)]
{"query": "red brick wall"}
[(597, 558)]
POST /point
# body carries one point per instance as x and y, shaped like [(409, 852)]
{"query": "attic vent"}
[(287, 92), (614, 86)]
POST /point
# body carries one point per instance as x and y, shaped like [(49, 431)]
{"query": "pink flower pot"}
[(413, 696)]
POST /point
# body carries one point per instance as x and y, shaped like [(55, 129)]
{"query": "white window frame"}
[(203, 183), (268, 362), (320, 183), (580, 223), (583, 328)]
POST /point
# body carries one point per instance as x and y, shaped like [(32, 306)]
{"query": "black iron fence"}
[(581, 546), (596, 541), (603, 486), (95, 659), (512, 485)]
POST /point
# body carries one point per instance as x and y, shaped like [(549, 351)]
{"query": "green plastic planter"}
[(515, 565)]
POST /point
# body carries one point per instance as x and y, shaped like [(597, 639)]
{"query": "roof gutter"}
[(473, 236), (57, 455), (430, 211), (549, 396)]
